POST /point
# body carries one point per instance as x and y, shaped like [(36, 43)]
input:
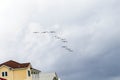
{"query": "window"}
[(29, 73), (4, 74)]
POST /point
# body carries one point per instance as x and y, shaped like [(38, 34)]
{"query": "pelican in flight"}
[(65, 41), (52, 32), (68, 49), (35, 32)]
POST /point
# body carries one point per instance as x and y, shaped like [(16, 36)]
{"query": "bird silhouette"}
[(44, 32), (64, 46), (35, 32), (48, 32), (57, 37), (52, 32), (68, 49), (65, 41)]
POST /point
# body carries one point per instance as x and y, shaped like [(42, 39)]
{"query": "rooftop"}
[(14, 64)]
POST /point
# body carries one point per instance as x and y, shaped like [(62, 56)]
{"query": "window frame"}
[(4, 74), (29, 73)]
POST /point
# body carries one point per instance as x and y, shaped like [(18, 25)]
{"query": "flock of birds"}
[(63, 40)]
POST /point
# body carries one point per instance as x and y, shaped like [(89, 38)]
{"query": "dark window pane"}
[(3, 74), (28, 73)]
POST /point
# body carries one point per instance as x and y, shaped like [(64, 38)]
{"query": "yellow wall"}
[(18, 74), (9, 72)]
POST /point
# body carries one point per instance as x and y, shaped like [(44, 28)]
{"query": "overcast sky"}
[(91, 27)]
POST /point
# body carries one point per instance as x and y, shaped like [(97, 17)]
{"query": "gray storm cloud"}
[(90, 27)]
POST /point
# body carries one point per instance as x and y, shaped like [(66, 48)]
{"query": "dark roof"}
[(14, 64), (35, 69)]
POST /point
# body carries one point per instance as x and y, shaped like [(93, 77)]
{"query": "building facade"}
[(12, 70)]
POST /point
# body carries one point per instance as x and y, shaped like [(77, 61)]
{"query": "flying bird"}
[(45, 32), (65, 41), (48, 32), (62, 40), (68, 49), (57, 37), (35, 32), (52, 32), (64, 46)]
